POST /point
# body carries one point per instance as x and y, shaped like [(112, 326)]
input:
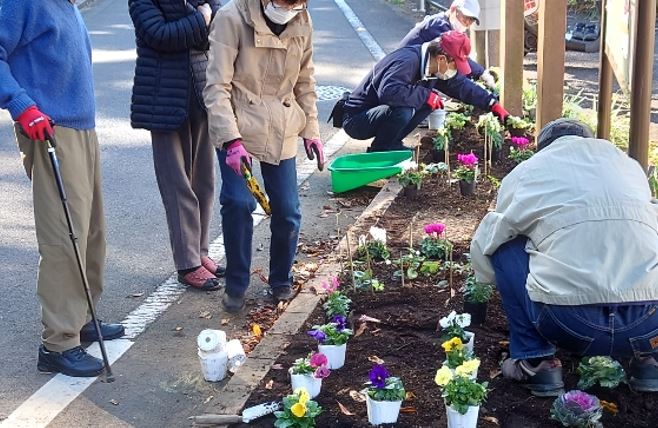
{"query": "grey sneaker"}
[(643, 374), (232, 304), (543, 380)]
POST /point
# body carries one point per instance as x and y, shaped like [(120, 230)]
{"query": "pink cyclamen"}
[(330, 288), (468, 160), (434, 228), (520, 142)]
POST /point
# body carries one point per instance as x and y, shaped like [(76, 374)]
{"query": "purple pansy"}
[(378, 376), (317, 335), (340, 321)]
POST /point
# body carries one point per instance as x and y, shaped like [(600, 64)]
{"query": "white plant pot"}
[(437, 119), (382, 412), (471, 341), (457, 420), (335, 354), (310, 383), (213, 365)]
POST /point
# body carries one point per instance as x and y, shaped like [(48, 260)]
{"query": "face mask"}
[(449, 74), (278, 15), (456, 24)]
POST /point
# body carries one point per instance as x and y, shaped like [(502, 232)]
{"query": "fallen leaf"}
[(409, 396), (255, 329), (225, 321), (136, 294), (344, 410), (366, 318), (277, 367), (609, 406), (205, 314), (269, 384), (408, 409), (208, 399), (115, 402), (343, 391), (179, 328), (494, 373), (375, 359), (357, 396), (362, 329), (491, 419)]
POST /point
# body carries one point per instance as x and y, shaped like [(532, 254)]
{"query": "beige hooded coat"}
[(260, 87)]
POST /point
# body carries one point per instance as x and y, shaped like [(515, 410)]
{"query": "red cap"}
[(457, 46)]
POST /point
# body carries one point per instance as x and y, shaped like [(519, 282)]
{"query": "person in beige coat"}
[(260, 96)]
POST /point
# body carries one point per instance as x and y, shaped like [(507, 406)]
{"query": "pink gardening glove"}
[(236, 155), (314, 145)]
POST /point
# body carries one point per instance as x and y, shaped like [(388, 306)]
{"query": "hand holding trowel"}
[(239, 160), (247, 416)]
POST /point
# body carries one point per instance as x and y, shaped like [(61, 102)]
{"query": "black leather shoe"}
[(109, 331), (74, 362), (282, 294), (232, 304)]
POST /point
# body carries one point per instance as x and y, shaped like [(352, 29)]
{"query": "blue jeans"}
[(237, 223), (617, 330), (389, 125)]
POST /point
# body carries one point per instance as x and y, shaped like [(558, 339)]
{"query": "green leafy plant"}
[(477, 292), (653, 181), (410, 263), (518, 123), (605, 371), (384, 387), (488, 124), (529, 96), (299, 411), (411, 178), (456, 121), (459, 390), (577, 409), (364, 280), (435, 245), (377, 250), (442, 139), (336, 303)]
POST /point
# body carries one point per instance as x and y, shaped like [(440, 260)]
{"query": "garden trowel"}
[(255, 189), (247, 416)]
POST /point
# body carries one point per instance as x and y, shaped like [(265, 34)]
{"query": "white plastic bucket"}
[(335, 354), (457, 420), (213, 365), (307, 381), (382, 412), (436, 119)]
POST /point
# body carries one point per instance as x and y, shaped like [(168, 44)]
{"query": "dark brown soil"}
[(407, 340)]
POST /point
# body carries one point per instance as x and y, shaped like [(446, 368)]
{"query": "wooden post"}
[(641, 84), (605, 83), (550, 61), (511, 55)]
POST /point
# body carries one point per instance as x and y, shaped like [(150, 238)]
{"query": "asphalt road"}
[(158, 379)]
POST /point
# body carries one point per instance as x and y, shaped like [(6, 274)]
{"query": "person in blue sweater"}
[(403, 89), (46, 84), (461, 15)]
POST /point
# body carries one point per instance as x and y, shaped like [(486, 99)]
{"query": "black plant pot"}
[(438, 155), (478, 312), (411, 191), (496, 154), (465, 188), (517, 132)]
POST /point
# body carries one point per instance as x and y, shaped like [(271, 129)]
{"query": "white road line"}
[(370, 43), (53, 397)]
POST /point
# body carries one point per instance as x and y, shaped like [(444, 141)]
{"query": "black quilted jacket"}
[(172, 45)]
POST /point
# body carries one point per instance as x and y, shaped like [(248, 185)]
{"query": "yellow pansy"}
[(454, 344), (298, 409), (303, 395), (443, 376), (468, 368)]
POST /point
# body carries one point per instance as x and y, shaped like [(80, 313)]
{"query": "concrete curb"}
[(236, 392)]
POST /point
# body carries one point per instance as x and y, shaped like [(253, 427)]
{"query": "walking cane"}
[(109, 377)]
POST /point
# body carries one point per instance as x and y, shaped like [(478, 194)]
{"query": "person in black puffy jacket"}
[(167, 99)]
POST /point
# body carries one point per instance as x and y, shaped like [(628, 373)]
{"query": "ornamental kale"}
[(602, 370), (577, 409), (383, 386)]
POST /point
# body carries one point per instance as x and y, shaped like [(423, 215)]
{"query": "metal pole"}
[(638, 144), (421, 6), (605, 82)]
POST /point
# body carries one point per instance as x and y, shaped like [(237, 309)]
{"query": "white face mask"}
[(456, 24), (449, 74), (279, 15)]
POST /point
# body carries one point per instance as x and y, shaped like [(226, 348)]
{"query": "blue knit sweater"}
[(45, 60)]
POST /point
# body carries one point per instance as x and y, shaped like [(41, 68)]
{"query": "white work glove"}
[(488, 79), (206, 11)]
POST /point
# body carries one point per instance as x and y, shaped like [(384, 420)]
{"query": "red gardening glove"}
[(35, 124), (500, 113), (314, 145), (434, 101), (236, 155)]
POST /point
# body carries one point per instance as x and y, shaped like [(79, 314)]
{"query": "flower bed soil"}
[(407, 341)]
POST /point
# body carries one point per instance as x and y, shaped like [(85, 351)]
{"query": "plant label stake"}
[(349, 253), (402, 268), (446, 152), (452, 290)]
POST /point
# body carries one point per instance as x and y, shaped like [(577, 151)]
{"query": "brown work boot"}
[(213, 267), (201, 279), (543, 380)]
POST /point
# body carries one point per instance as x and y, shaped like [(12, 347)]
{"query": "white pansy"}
[(463, 320), (446, 322), (378, 234)]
